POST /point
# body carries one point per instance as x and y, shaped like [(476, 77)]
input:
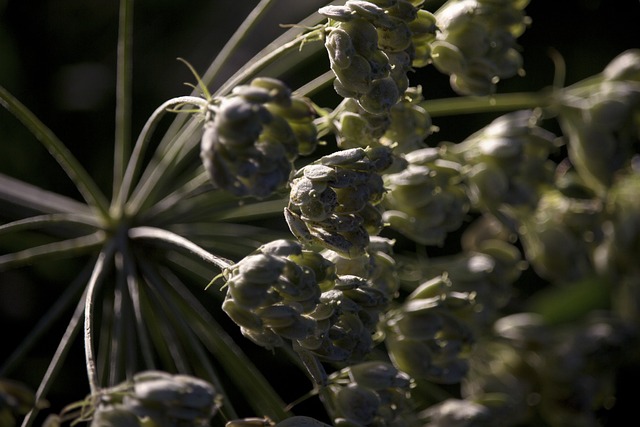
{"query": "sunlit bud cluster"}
[(410, 124), (347, 319), (426, 199), (370, 394), (371, 48), (158, 399), (272, 292), (476, 43), (602, 121), (560, 234), (429, 336), (253, 136), (333, 201), (377, 266), (506, 162)]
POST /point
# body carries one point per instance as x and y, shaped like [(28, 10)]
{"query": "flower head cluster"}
[(272, 292), (476, 44), (370, 394), (282, 292), (506, 162), (426, 199), (601, 121), (371, 48), (249, 144), (429, 336), (333, 201), (159, 399), (404, 129), (559, 236)]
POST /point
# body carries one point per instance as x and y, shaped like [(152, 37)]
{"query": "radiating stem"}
[(234, 41), (123, 92), (74, 170), (99, 271), (56, 362), (179, 241), (141, 144)]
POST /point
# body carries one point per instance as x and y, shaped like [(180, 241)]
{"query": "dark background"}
[(58, 57)]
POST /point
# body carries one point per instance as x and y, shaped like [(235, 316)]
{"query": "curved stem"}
[(74, 170), (234, 41), (487, 104), (56, 362), (142, 142), (99, 271), (123, 92), (262, 60), (177, 240)]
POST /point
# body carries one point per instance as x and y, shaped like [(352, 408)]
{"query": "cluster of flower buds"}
[(371, 393), (404, 129), (282, 292), (506, 162), (254, 135), (488, 274), (476, 44), (561, 234), (426, 199), (601, 121), (616, 258), (333, 201), (504, 368), (580, 374), (272, 292), (159, 399), (371, 48), (376, 265), (347, 320), (429, 336)]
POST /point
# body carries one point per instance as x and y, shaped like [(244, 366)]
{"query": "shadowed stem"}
[(177, 240), (123, 92)]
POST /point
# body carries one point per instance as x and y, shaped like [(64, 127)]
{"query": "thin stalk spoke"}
[(98, 274), (36, 199), (56, 362), (122, 138), (176, 240), (246, 376), (74, 170), (48, 319), (48, 220), (64, 248)]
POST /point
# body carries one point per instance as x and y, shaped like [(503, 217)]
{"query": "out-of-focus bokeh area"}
[(59, 58)]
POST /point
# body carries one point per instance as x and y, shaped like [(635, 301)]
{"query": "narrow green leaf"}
[(48, 220)]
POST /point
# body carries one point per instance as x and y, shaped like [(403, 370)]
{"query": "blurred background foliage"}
[(59, 56)]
